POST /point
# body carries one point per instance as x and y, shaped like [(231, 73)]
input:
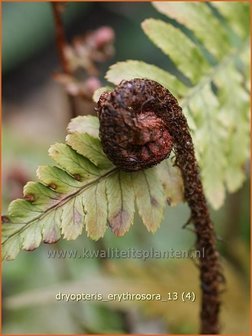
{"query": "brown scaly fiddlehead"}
[(140, 123)]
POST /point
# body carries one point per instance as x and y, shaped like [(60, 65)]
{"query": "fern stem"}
[(211, 276)]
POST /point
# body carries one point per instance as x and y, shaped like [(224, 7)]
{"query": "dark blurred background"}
[(35, 115)]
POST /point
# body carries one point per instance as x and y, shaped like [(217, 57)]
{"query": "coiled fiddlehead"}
[(140, 123), (133, 135)]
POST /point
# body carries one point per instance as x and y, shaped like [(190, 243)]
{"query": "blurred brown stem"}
[(61, 43)]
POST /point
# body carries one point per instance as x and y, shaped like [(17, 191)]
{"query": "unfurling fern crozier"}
[(133, 132), (140, 123)]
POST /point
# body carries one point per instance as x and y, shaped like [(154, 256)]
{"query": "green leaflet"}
[(40, 195), (95, 205), (172, 182), (89, 146), (137, 69), (209, 139), (150, 197), (120, 196), (234, 114), (178, 47), (75, 164), (85, 124), (11, 247), (31, 237), (237, 15), (84, 192), (100, 91), (51, 227), (57, 179), (21, 211), (246, 66), (72, 218), (10, 229), (199, 18)]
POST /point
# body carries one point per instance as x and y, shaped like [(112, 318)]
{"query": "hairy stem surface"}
[(210, 270)]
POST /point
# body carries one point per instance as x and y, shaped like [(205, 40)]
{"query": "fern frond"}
[(216, 103), (86, 191), (175, 44)]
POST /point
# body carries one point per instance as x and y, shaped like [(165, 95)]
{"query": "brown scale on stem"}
[(140, 123)]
